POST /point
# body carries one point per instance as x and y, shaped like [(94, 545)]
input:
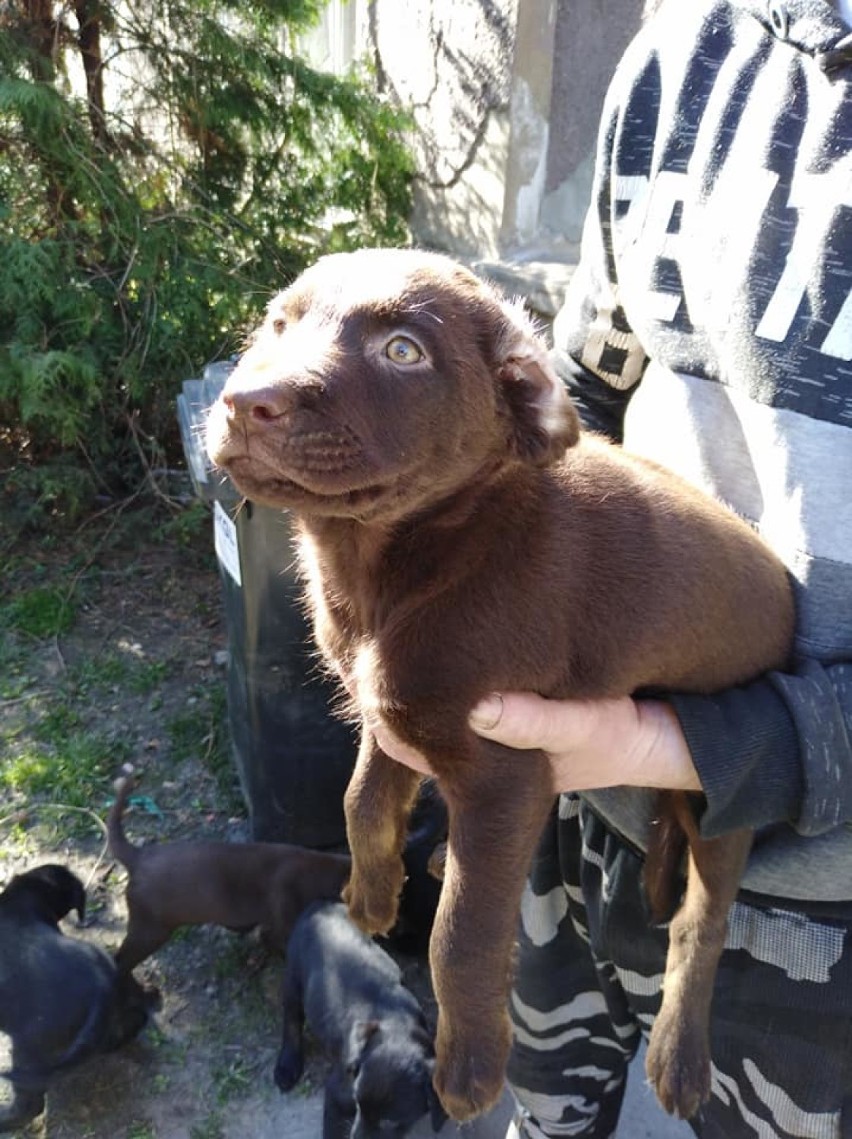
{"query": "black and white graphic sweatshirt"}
[(709, 326)]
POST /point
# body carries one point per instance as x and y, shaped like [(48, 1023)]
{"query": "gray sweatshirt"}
[(709, 326)]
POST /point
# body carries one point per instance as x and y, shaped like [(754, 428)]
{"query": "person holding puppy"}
[(708, 326)]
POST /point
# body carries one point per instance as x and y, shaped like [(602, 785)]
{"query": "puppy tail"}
[(119, 845), (663, 871)]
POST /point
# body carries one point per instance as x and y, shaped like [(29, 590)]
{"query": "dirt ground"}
[(150, 607), (203, 1067), (209, 1051)]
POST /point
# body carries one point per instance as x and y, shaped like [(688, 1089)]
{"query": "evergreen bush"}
[(164, 167)]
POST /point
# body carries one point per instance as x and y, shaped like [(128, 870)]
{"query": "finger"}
[(487, 714), (517, 719)]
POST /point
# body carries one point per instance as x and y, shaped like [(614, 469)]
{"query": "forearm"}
[(590, 743), (594, 743), (777, 750)]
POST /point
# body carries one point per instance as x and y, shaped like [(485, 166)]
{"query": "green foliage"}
[(112, 670), (145, 219), (41, 612), (202, 733), (210, 1128), (187, 527), (41, 488), (64, 767), (141, 1130)]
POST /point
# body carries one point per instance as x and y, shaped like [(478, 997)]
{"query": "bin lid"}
[(195, 400)]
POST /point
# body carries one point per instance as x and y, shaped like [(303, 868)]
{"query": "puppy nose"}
[(257, 405)]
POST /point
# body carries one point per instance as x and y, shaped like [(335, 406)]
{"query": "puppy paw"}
[(373, 905), (288, 1069), (678, 1066), (470, 1074)]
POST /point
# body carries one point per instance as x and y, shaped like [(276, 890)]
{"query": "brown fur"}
[(459, 535), (238, 885)]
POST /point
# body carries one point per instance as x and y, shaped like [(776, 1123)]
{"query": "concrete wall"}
[(505, 97), (455, 76)]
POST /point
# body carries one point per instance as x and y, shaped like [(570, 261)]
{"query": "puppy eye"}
[(401, 350), (278, 325)]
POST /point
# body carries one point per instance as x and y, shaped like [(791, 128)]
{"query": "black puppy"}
[(61, 999), (349, 992)]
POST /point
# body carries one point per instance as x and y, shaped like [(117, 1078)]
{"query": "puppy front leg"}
[(678, 1058), (496, 818), (377, 805), (338, 1106), (130, 1010)]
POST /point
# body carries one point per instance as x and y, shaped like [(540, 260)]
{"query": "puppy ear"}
[(58, 889), (543, 420), (74, 895), (361, 1034), (80, 903)]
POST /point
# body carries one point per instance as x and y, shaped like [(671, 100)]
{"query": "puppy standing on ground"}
[(459, 535), (237, 885), (61, 1000), (350, 994)]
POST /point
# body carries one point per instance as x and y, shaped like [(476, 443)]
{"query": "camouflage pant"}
[(587, 989)]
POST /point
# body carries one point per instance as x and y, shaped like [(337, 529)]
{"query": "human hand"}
[(590, 743), (593, 743)]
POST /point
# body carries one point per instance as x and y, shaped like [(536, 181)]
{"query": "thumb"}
[(487, 714), (515, 719)]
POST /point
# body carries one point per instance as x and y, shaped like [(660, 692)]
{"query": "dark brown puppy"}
[(459, 535), (237, 885)]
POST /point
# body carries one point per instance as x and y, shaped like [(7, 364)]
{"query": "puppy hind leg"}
[(143, 937), (291, 1057), (678, 1058), (338, 1106)]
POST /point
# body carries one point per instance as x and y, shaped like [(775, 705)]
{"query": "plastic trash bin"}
[(293, 756)]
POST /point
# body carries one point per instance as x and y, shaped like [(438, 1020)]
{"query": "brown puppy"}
[(459, 535), (237, 885)]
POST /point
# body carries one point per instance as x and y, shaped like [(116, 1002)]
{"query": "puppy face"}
[(382, 381), (391, 1082)]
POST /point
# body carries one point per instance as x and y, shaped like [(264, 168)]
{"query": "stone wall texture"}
[(505, 97)]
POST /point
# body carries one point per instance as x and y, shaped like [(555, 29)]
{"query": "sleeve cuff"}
[(745, 749)]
